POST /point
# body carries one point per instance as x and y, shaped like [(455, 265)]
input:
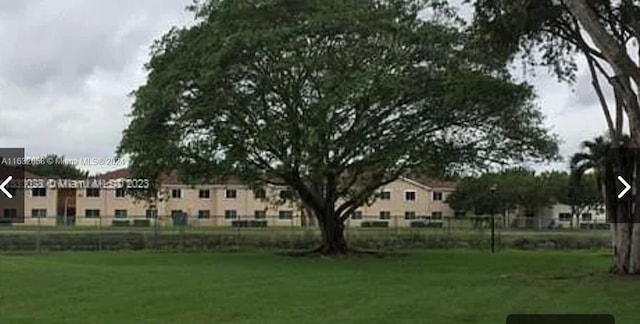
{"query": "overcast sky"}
[(67, 67)]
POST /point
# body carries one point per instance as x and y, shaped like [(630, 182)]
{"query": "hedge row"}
[(210, 241)]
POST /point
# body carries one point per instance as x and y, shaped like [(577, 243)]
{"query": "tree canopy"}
[(57, 169), (524, 190), (332, 98)]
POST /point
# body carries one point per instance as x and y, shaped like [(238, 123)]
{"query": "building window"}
[(230, 214), (176, 193), (436, 215), (410, 196), (260, 194), (356, 215), (385, 195), (437, 196), (120, 213), (564, 216), (10, 213), (286, 194), (285, 214), (151, 213), (230, 194), (39, 192), (586, 217), (204, 194), (385, 215), (93, 192), (410, 215), (176, 213), (92, 213), (260, 214), (38, 213), (204, 214), (120, 193)]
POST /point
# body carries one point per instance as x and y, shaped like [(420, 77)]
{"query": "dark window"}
[(586, 217), (356, 215), (176, 193), (437, 196), (260, 214), (10, 213), (151, 213), (92, 213), (260, 194), (285, 214), (230, 194), (385, 215), (120, 213), (230, 214), (286, 194), (436, 215), (385, 195), (38, 213), (204, 213), (93, 192), (204, 194), (176, 213), (410, 196), (39, 192), (120, 193), (564, 216), (410, 215)]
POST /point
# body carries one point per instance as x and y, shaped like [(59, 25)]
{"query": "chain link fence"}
[(180, 232)]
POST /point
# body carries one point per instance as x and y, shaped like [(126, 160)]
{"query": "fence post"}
[(99, 233), (38, 236)]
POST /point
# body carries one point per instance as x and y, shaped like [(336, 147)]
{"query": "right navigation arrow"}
[(626, 187)]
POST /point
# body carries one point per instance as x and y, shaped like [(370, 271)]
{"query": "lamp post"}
[(493, 218)]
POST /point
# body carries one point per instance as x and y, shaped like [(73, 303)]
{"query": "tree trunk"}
[(333, 241)]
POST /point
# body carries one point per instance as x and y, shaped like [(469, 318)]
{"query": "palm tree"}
[(593, 158)]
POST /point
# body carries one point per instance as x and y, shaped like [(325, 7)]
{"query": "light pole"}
[(493, 218)]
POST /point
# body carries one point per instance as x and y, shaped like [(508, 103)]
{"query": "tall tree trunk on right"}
[(614, 51)]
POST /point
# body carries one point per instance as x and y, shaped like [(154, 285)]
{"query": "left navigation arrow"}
[(3, 185)]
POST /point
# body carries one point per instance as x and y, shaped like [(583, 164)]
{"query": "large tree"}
[(56, 168), (603, 32), (333, 98)]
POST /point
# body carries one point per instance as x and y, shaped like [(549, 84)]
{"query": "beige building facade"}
[(228, 204)]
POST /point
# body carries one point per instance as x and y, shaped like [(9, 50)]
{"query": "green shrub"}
[(258, 223), (249, 223), (418, 224), (435, 224), (378, 224), (598, 226), (120, 222), (141, 222)]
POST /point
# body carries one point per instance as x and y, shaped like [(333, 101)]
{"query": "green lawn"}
[(453, 286)]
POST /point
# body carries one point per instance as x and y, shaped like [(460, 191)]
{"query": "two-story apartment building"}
[(221, 203)]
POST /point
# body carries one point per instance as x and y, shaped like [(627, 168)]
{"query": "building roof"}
[(432, 182), (173, 178)]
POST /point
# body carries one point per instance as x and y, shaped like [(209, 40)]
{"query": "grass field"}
[(455, 286)]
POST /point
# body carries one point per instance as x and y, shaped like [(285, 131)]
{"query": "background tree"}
[(518, 190), (332, 98), (57, 169), (600, 30)]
